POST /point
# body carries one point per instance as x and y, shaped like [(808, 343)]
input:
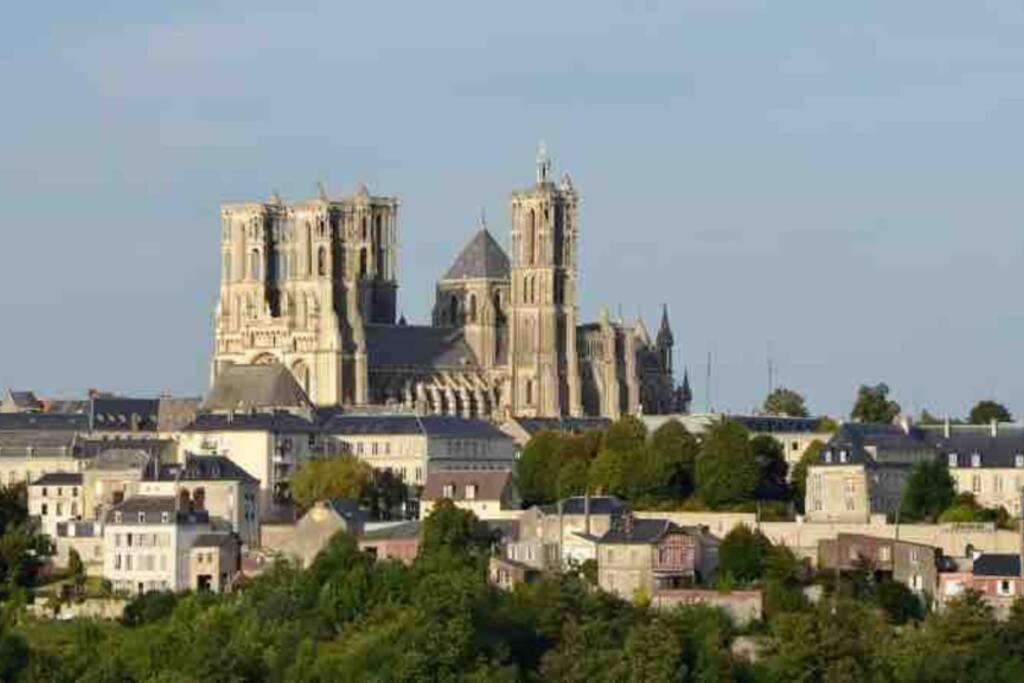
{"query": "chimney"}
[(905, 423), (946, 429), (994, 426)]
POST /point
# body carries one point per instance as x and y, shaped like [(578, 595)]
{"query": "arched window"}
[(365, 234), (254, 265), (498, 314), (529, 392), (526, 290), (321, 261), (362, 262), (531, 236), (227, 266), (309, 249), (472, 308), (453, 310), (533, 289)]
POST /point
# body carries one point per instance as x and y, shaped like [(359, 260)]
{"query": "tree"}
[(450, 528), (873, 405), (726, 470), (743, 554), (328, 478), (385, 494), (771, 467), (928, 492), (626, 435), (674, 452), (610, 473), (798, 485), (784, 401), (538, 467), (985, 412)]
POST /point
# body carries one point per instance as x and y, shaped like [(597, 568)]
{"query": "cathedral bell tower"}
[(542, 339)]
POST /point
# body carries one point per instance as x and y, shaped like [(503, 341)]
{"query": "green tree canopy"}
[(450, 528), (743, 554), (538, 467), (626, 435), (610, 473), (328, 478), (666, 470), (784, 401), (726, 470), (985, 412), (873, 404), (928, 492), (771, 468)]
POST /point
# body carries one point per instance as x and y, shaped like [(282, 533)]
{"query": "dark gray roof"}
[(247, 422), (854, 442), (120, 459), (59, 479), (117, 413), (965, 441), (997, 564), (214, 540), (348, 508), (450, 426), (43, 443), (372, 424), (50, 421), (599, 505), (641, 531), (203, 468), (573, 425), (414, 346), (482, 257), (154, 507), (401, 530), (245, 387), (24, 399), (776, 423)]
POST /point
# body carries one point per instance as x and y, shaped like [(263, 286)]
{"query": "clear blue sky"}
[(841, 180)]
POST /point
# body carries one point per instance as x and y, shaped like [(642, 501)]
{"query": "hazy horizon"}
[(838, 183)]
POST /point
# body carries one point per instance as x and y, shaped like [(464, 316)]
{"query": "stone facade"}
[(313, 285)]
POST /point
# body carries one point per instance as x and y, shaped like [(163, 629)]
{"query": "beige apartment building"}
[(485, 493)]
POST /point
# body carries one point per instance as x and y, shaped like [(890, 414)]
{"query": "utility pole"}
[(771, 370), (707, 395)]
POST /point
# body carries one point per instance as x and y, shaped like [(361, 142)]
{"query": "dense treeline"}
[(347, 618), (669, 468)]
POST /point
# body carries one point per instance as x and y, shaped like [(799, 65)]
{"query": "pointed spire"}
[(665, 337), (483, 219), (543, 164)]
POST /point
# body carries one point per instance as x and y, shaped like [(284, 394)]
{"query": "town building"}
[(559, 535), (997, 576), (913, 564), (313, 286), (303, 540), (148, 543), (12, 401), (484, 493), (55, 497), (411, 446), (864, 467), (392, 541), (640, 557)]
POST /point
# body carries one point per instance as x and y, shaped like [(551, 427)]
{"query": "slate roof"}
[(572, 425), (247, 387), (120, 459), (642, 531), (279, 422), (203, 468), (490, 484), (776, 423), (44, 443), (59, 479), (440, 426), (213, 540), (372, 424), (997, 564), (348, 509), (482, 257), (599, 505), (121, 413), (49, 421), (405, 346), (892, 444), (402, 530), (965, 441), (154, 507)]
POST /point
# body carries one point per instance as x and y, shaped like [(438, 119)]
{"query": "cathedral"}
[(313, 285)]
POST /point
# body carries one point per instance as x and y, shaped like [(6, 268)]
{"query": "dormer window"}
[(952, 460), (165, 517), (142, 517), (842, 456), (1018, 460), (975, 459), (117, 517), (828, 456)]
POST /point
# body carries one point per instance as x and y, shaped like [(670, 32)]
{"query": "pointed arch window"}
[(321, 261), (362, 262), (453, 310), (472, 308), (531, 237)]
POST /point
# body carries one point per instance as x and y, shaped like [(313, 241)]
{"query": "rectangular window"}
[(470, 491), (128, 562), (952, 459), (448, 491), (885, 553), (117, 561), (976, 484), (1005, 587), (373, 448), (976, 460)]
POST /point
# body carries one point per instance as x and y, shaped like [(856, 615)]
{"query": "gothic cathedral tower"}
[(299, 283), (542, 340)]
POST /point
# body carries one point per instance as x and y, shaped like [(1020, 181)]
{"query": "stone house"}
[(506, 574), (55, 497), (303, 540), (481, 492), (214, 562), (639, 557), (913, 564), (553, 536)]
